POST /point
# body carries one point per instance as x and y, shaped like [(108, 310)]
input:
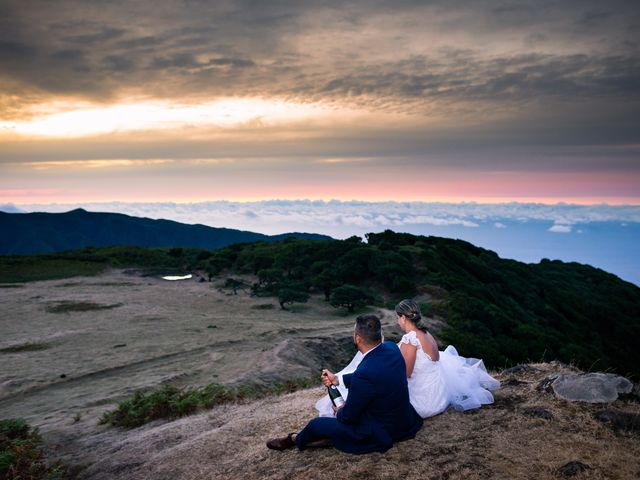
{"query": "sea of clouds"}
[(601, 235), (342, 219)]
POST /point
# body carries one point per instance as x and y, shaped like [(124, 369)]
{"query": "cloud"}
[(343, 219), (10, 208), (558, 228), (418, 88), (414, 56)]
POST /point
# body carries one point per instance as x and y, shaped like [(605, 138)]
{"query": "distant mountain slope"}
[(32, 233)]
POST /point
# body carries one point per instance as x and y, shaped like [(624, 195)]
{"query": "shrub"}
[(169, 402), (21, 453)]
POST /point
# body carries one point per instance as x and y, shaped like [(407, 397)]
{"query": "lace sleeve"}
[(411, 339)]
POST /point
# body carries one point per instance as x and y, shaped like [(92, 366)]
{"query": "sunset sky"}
[(194, 100)]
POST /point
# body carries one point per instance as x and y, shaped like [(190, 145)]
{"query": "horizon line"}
[(581, 201)]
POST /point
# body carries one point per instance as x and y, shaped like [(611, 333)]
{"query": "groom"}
[(377, 412)]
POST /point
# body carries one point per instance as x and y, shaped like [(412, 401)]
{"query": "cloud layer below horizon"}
[(341, 219)]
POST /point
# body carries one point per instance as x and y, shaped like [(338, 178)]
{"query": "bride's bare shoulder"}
[(429, 346)]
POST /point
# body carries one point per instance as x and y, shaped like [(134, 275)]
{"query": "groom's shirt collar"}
[(372, 349)]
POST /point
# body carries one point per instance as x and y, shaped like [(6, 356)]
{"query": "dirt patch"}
[(25, 347), (69, 306)]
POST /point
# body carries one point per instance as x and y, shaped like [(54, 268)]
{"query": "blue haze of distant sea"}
[(611, 246)]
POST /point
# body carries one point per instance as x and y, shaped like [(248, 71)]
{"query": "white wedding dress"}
[(460, 382)]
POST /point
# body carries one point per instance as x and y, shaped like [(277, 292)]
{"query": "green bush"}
[(21, 453), (169, 402)]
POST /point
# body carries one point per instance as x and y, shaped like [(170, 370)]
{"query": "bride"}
[(436, 379)]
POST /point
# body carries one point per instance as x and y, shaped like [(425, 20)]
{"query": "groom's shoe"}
[(282, 443)]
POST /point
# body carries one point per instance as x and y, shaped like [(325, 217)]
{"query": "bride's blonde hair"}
[(411, 310)]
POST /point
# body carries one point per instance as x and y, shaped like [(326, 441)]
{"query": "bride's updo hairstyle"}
[(411, 310)]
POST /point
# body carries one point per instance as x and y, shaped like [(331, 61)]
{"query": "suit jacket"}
[(378, 407)]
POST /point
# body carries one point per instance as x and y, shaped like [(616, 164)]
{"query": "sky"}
[(247, 100)]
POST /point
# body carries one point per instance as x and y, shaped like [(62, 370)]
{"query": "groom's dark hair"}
[(369, 328)]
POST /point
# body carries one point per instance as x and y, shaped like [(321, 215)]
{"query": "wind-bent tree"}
[(349, 297), (292, 292)]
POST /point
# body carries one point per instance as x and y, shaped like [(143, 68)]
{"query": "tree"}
[(291, 292), (234, 285), (323, 277), (269, 280), (349, 297), (269, 276)]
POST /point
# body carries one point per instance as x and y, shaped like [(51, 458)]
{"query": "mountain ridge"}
[(41, 232)]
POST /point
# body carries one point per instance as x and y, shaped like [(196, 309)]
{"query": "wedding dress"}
[(460, 382)]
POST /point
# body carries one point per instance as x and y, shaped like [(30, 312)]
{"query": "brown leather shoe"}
[(282, 443)]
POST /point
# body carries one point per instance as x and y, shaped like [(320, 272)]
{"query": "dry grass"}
[(500, 441), (165, 326)]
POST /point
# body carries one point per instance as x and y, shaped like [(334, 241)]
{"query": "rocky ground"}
[(528, 433)]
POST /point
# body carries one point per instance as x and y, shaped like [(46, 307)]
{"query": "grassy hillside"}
[(503, 311)]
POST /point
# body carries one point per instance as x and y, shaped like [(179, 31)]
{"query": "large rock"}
[(590, 387)]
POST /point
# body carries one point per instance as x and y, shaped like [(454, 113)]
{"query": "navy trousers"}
[(343, 436)]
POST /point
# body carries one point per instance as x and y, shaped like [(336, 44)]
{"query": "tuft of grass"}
[(21, 453), (263, 306), (170, 402), (11, 285), (67, 306), (25, 347)]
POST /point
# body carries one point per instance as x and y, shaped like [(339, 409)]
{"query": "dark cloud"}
[(118, 63), (559, 74), (175, 37), (178, 60), (99, 37)]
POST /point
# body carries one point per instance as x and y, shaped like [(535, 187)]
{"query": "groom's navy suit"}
[(377, 412)]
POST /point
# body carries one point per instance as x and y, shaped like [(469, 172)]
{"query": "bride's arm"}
[(409, 354)]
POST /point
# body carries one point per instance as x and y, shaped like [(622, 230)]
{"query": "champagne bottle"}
[(335, 396)]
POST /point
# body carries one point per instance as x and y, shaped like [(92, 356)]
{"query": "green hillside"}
[(502, 311)]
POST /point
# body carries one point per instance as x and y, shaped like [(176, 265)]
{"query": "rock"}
[(545, 385), (572, 468), (590, 387), (538, 413), (618, 420)]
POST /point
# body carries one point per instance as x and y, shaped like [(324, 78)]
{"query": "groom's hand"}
[(328, 378)]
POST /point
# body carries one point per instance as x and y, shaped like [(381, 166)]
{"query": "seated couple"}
[(381, 406)]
